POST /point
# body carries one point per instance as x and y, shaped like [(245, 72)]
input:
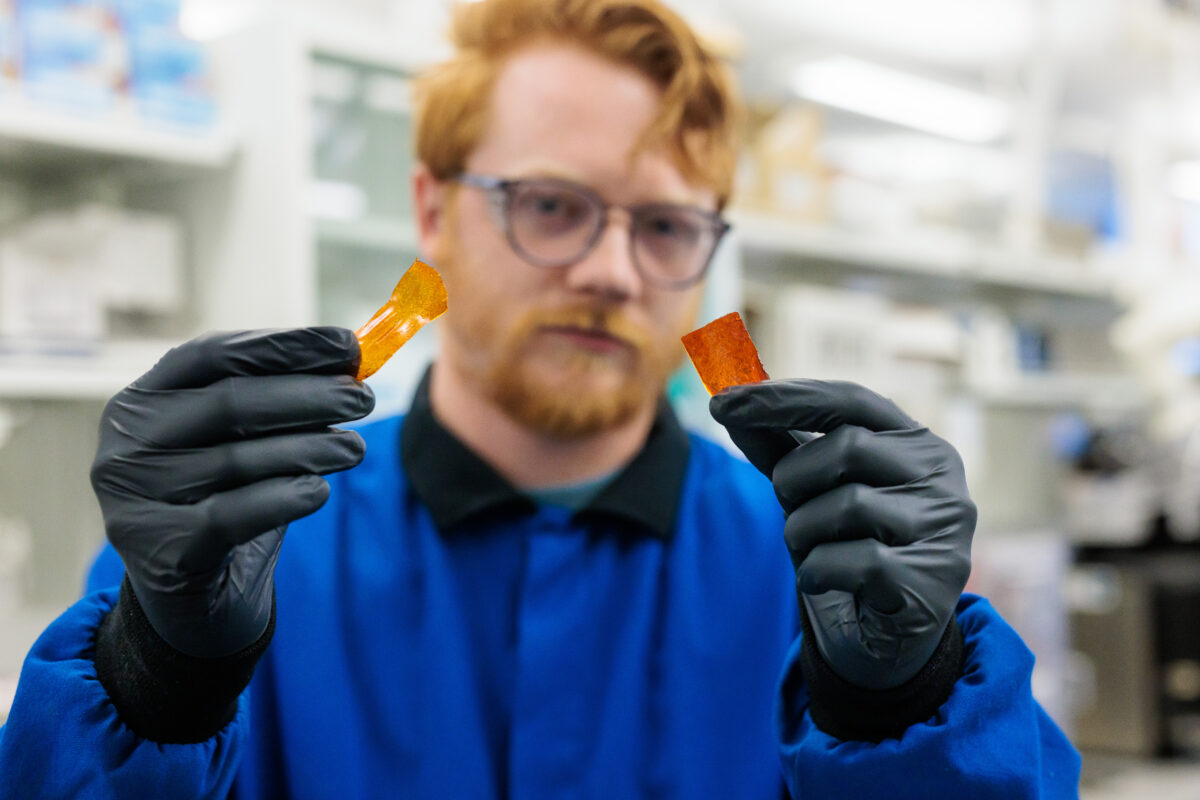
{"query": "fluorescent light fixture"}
[(888, 94), (1183, 181), (948, 32), (204, 20)]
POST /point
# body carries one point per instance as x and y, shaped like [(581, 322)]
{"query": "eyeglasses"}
[(555, 223)]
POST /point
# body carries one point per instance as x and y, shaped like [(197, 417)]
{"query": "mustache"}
[(601, 320)]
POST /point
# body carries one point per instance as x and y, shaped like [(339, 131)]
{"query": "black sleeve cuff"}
[(160, 693), (851, 713)]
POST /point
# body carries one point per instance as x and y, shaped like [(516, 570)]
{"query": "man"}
[(535, 584)]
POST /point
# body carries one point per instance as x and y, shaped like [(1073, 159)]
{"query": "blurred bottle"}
[(71, 54), (169, 76)]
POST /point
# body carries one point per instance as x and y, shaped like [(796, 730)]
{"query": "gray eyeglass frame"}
[(500, 192)]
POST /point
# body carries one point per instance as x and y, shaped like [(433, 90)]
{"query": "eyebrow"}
[(539, 169)]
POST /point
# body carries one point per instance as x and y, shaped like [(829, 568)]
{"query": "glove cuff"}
[(162, 694), (851, 713)]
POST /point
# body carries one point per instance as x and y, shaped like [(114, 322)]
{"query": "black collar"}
[(458, 485)]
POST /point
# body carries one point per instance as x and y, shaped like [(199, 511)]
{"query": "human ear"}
[(429, 203)]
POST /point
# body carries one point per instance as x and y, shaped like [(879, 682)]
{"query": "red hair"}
[(697, 119)]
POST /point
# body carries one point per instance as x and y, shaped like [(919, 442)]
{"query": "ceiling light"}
[(902, 98), (947, 32)]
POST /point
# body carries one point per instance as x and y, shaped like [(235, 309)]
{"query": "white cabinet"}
[(51, 396), (258, 254)]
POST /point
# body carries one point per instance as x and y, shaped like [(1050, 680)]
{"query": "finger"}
[(763, 448), (240, 407), (849, 454), (188, 476), (806, 405), (242, 514), (206, 359), (851, 511), (862, 568)]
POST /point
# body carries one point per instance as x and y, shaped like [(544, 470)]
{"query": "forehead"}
[(560, 109)]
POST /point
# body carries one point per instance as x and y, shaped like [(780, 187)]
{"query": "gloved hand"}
[(879, 522), (205, 459)]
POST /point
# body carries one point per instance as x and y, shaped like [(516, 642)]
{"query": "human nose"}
[(608, 269)]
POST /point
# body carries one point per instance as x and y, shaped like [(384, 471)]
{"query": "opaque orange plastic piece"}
[(419, 297), (724, 354)]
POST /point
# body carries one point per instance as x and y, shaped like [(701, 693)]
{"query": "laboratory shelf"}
[(87, 372), (341, 36), (935, 266), (1165, 315), (32, 136), (369, 233), (1061, 390)]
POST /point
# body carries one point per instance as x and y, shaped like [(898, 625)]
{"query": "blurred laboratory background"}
[(989, 211)]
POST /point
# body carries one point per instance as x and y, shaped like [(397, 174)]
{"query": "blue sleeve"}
[(106, 571), (64, 739), (989, 741)]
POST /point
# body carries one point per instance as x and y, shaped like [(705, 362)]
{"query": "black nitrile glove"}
[(879, 522), (205, 459)]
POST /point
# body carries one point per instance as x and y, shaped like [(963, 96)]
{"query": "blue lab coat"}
[(458, 641)]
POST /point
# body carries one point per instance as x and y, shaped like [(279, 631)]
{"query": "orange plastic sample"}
[(724, 354), (419, 297)]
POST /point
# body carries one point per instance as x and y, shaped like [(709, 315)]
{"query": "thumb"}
[(763, 447)]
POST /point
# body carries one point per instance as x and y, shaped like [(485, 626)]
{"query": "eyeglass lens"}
[(555, 224), (552, 222)]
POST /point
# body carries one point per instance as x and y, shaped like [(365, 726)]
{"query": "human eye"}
[(549, 204), (670, 225), (555, 203), (663, 226), (551, 209)]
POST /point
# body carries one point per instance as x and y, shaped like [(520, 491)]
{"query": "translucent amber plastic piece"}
[(419, 297), (724, 354)]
